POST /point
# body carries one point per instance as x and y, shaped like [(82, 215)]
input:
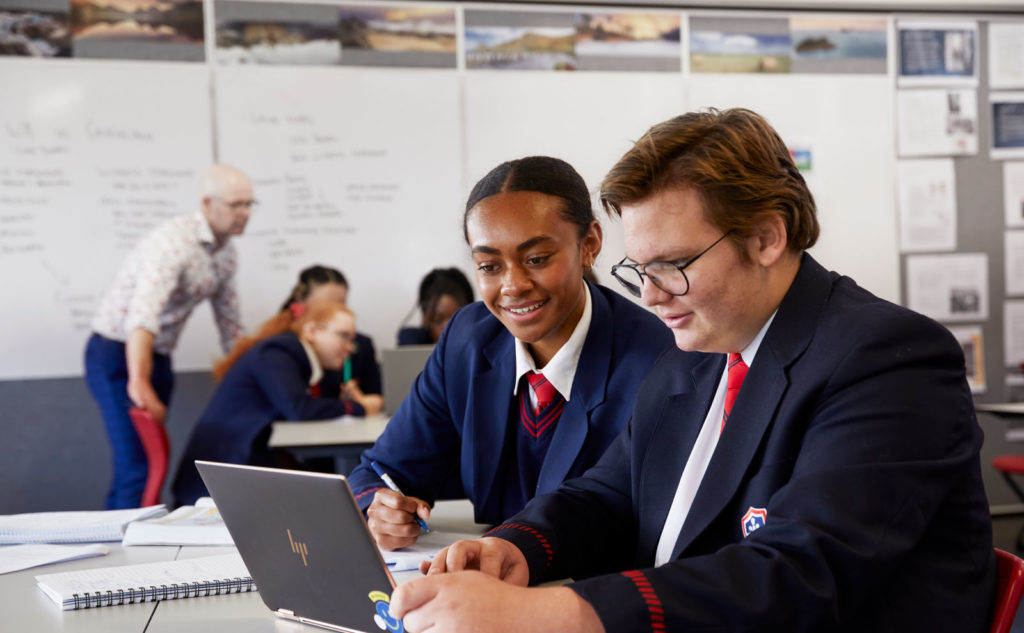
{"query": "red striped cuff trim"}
[(368, 491), (655, 611), (529, 530)]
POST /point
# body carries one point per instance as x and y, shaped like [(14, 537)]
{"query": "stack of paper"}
[(71, 527), (200, 524), (18, 557)]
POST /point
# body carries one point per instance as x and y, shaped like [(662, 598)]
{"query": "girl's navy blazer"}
[(456, 418), (269, 382)]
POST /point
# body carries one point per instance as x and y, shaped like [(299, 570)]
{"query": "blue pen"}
[(386, 478)]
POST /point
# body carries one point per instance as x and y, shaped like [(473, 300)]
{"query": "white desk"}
[(1002, 408), (23, 607), (344, 439)]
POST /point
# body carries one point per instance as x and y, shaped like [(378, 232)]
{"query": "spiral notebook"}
[(147, 582)]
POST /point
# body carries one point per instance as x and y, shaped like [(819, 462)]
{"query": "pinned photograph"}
[(628, 41), (937, 53), (739, 45), (35, 28), (375, 35), (1007, 125), (972, 342), (170, 30), (520, 41), (838, 45), (264, 33)]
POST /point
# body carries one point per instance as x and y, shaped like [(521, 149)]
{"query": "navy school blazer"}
[(844, 495), (268, 382), (455, 420)]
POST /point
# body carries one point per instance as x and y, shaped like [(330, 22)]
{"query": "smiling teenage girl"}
[(527, 387)]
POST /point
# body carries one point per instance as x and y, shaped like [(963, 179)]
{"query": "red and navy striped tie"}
[(737, 372)]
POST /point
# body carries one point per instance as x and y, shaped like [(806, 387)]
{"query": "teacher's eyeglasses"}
[(668, 276)]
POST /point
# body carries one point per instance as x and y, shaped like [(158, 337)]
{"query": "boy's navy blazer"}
[(269, 382), (457, 417), (854, 432)]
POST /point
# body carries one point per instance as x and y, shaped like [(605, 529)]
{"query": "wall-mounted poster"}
[(838, 44), (1005, 55), (739, 45), (397, 35), (973, 343), (1013, 194), (936, 122), (1007, 125), (35, 28), (937, 53), (171, 30), (950, 287), (927, 205), (276, 33)]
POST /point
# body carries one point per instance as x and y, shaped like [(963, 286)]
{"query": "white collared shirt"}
[(561, 369), (314, 362), (700, 456), (165, 276)]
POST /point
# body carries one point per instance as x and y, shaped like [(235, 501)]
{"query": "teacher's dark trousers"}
[(106, 372)]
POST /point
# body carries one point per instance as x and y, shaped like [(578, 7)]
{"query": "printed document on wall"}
[(1013, 335), (1014, 258), (950, 287), (928, 218), (973, 343), (1005, 55), (1013, 193), (937, 122)]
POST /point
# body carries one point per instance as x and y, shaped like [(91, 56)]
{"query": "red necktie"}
[(314, 390), (545, 391), (737, 372)]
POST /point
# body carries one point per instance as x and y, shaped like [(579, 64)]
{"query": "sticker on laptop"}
[(754, 519), (383, 618)]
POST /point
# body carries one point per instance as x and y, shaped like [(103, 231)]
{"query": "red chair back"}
[(1009, 587), (154, 442)]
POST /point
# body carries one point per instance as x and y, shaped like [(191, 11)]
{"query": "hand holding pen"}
[(394, 519)]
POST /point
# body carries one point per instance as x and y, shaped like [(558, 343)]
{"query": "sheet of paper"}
[(972, 342), (937, 122), (950, 287), (72, 526), (1013, 194), (1013, 257), (927, 190), (1005, 55), (425, 548), (1013, 335), (18, 557)]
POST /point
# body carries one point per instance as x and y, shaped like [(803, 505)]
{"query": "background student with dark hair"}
[(322, 282), (269, 379), (442, 292), (527, 387)]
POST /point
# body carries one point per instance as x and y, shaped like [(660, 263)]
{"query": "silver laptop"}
[(399, 368), (306, 546)]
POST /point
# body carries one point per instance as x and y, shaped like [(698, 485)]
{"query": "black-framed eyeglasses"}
[(668, 276)]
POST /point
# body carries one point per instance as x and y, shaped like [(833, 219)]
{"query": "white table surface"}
[(1002, 408), (342, 431), (25, 608)]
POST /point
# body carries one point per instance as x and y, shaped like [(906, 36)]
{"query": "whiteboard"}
[(588, 120), (354, 168), (93, 155), (847, 123)]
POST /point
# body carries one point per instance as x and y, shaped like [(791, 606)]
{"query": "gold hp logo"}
[(298, 548)]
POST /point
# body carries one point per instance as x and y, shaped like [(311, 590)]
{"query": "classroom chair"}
[(1009, 586), (1009, 466), (157, 447)]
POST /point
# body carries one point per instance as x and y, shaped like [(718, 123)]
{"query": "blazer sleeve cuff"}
[(625, 601), (532, 543)]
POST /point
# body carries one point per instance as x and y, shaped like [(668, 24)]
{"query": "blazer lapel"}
[(758, 400), (491, 401), (678, 423), (588, 391)]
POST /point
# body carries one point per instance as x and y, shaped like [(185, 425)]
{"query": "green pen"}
[(347, 370)]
